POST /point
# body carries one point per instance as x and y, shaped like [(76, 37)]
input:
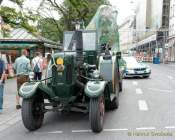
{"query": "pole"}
[(163, 47), (1, 1)]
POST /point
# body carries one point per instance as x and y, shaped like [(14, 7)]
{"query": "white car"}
[(133, 68)]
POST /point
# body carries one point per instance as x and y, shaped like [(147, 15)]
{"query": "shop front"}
[(11, 49), (171, 50)]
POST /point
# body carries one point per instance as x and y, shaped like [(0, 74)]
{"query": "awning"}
[(53, 46), (16, 45), (147, 40)]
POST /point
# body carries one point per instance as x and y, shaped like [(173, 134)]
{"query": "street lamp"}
[(78, 24)]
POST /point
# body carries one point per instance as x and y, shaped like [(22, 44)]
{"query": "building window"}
[(173, 29), (173, 10), (170, 30)]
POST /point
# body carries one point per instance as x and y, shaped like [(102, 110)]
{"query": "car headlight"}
[(31, 75), (96, 74), (148, 69)]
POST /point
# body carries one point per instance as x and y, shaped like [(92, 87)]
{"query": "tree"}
[(69, 10), (17, 19), (72, 10), (50, 28)]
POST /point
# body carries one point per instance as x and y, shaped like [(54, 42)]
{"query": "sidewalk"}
[(10, 115)]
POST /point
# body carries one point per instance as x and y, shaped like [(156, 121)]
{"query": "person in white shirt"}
[(37, 66)]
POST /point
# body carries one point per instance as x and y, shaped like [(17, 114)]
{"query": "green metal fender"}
[(29, 89), (95, 88)]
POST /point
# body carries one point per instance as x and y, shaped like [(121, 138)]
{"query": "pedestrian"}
[(37, 66), (48, 72), (22, 67), (2, 81), (49, 56)]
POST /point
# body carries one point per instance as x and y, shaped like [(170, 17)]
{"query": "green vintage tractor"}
[(84, 77)]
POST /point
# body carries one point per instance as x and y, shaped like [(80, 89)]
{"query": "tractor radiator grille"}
[(69, 73)]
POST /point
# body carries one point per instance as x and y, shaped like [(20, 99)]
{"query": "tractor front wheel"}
[(32, 113), (96, 113)]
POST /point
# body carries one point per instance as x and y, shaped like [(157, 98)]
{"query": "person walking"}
[(2, 81), (22, 67), (37, 66)]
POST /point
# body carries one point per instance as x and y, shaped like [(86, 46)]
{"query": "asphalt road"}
[(146, 111)]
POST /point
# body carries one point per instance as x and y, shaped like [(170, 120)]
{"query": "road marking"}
[(113, 130), (55, 132), (105, 130), (51, 132), (142, 105), (170, 127), (81, 131), (139, 91), (135, 83), (170, 77), (145, 128), (160, 90), (89, 131)]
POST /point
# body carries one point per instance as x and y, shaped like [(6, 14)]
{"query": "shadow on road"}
[(136, 78)]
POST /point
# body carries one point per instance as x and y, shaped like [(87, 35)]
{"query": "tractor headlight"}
[(31, 76), (96, 74), (59, 61)]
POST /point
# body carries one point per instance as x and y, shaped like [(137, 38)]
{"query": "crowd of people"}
[(22, 67)]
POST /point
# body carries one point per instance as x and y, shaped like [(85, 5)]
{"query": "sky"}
[(124, 7)]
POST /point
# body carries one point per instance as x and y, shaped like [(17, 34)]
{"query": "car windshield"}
[(130, 60)]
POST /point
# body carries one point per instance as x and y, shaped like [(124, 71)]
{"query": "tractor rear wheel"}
[(32, 113), (96, 113)]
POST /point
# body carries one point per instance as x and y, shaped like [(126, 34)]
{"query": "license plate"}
[(140, 72)]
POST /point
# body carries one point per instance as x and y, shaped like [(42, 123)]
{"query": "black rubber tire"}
[(95, 118), (30, 120), (120, 86), (145, 76)]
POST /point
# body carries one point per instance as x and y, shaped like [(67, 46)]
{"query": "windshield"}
[(130, 60), (89, 40)]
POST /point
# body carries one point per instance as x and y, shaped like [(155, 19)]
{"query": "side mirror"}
[(118, 54)]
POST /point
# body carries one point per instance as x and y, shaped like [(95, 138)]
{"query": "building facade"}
[(171, 38), (127, 34), (152, 23)]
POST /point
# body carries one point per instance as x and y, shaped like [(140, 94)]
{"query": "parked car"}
[(135, 69)]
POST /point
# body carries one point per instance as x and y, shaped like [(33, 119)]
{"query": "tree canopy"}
[(17, 19), (73, 10), (48, 26)]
